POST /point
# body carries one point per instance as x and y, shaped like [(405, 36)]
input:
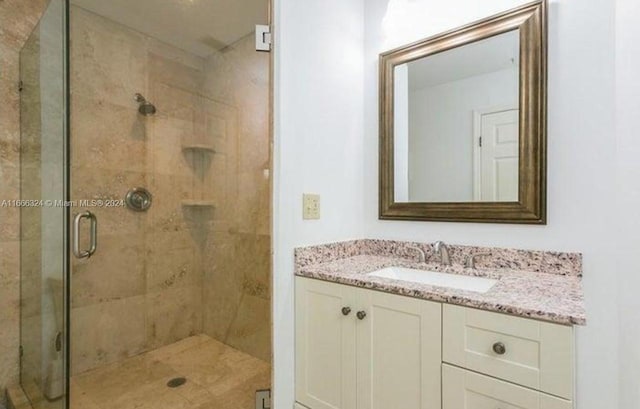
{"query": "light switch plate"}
[(310, 206)]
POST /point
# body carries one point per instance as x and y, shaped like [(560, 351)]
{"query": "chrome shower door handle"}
[(94, 234), (76, 235)]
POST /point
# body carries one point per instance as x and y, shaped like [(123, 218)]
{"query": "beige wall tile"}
[(237, 267), (252, 327), (109, 60), (107, 332), (169, 268), (115, 272), (168, 65), (173, 314), (222, 286), (108, 135), (253, 203)]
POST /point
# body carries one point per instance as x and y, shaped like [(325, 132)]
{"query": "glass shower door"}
[(44, 210), (173, 309)]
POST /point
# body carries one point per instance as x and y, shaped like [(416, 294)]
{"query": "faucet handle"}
[(471, 259), (422, 256)]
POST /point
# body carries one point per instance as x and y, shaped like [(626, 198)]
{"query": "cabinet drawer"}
[(531, 353), (462, 389)]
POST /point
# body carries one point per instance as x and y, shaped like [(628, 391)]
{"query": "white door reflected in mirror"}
[(496, 156), (456, 124)]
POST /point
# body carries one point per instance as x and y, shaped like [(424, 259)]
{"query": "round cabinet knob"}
[(346, 310), (499, 348), (361, 315)]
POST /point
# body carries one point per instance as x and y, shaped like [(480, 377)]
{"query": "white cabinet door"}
[(325, 345), (462, 389), (399, 350)]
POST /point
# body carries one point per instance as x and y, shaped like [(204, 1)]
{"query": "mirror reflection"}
[(456, 124)]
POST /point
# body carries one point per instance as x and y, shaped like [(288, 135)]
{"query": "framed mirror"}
[(463, 123)]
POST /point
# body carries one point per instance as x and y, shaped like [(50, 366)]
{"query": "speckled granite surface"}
[(533, 284)]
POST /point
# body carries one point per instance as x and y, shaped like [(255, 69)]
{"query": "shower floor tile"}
[(218, 377)]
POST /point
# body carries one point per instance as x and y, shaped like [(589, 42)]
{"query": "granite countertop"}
[(554, 297)]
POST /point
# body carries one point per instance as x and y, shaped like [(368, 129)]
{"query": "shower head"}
[(146, 108)]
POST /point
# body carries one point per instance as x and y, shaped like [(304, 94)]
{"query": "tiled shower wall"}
[(17, 19), (237, 278), (142, 289), (198, 260)]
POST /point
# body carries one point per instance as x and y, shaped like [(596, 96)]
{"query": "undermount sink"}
[(458, 281)]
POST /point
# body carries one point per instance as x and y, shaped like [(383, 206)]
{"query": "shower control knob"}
[(361, 315), (138, 199), (346, 310)]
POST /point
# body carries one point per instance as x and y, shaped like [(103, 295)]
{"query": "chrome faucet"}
[(422, 256), (442, 250)]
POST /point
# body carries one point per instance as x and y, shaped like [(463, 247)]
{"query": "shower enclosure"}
[(145, 214)]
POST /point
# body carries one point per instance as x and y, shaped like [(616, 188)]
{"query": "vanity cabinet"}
[(362, 349)]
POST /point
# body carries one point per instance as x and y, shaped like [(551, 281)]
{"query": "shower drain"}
[(175, 382)]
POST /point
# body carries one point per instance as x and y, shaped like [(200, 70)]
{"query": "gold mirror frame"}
[(530, 208)]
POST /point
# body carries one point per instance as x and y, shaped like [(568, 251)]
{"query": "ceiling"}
[(482, 57), (197, 26)]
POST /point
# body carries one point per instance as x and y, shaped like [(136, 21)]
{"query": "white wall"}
[(581, 157), (628, 191), (441, 133), (318, 146), (322, 145), (401, 133)]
